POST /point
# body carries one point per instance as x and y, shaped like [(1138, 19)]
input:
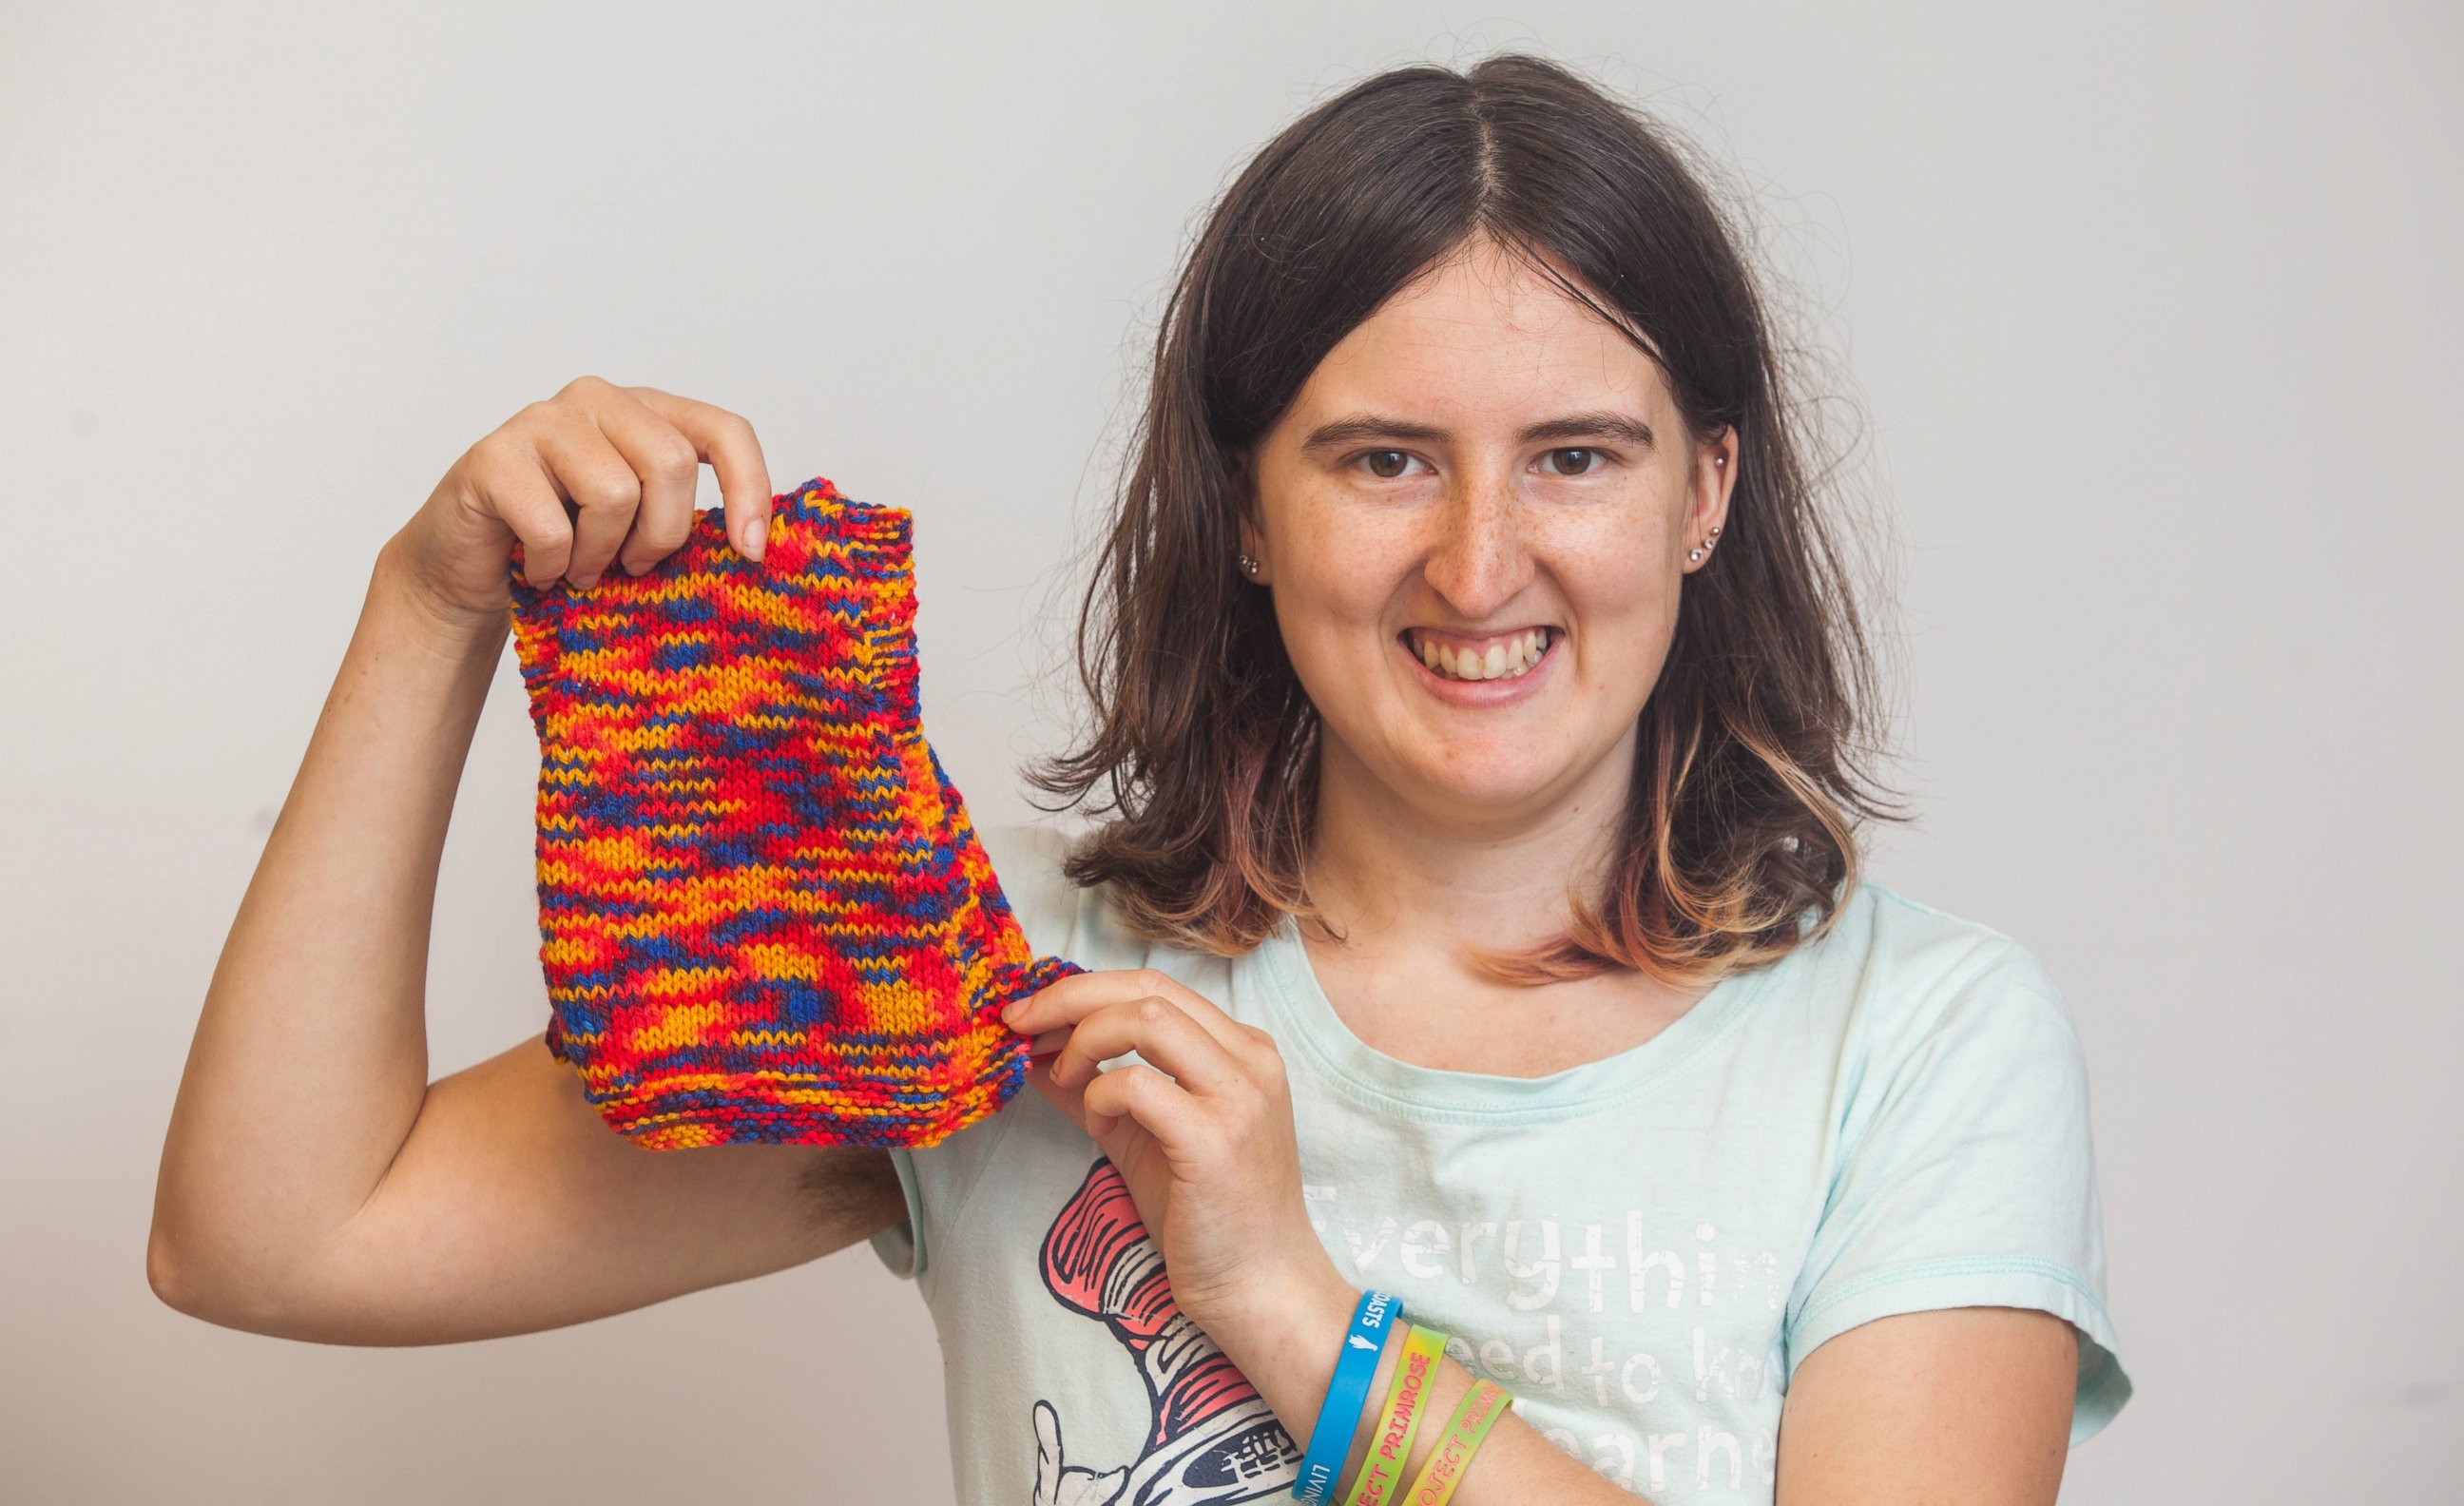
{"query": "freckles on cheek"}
[(1342, 564), (1623, 598), (1330, 595), (1326, 621)]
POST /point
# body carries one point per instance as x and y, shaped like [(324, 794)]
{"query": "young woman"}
[(1477, 915)]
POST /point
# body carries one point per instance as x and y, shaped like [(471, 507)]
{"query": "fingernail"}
[(757, 532)]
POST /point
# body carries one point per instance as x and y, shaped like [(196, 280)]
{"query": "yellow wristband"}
[(1447, 1461), (1390, 1447)]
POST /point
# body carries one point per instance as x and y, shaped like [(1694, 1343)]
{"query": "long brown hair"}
[(1747, 785)]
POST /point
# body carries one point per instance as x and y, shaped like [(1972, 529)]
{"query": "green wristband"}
[(1416, 1365), (1470, 1424)]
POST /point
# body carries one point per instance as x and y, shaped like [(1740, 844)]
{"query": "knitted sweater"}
[(764, 914)]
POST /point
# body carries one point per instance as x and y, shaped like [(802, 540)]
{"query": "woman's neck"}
[(1394, 875), (1414, 892)]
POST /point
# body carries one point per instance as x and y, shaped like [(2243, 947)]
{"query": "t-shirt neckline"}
[(1279, 967)]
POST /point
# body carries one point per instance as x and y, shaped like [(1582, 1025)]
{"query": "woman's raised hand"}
[(595, 477), (1199, 1128)]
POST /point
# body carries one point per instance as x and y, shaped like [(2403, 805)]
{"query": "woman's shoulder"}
[(1910, 972), (1907, 930), (1915, 937)]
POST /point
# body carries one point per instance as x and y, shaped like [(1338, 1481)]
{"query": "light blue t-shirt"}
[(1643, 1248)]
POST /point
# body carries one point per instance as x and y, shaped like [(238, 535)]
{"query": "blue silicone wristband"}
[(1339, 1416)]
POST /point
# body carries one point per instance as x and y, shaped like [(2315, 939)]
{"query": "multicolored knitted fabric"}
[(763, 913)]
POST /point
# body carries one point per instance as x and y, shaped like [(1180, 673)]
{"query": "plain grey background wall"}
[(2150, 314)]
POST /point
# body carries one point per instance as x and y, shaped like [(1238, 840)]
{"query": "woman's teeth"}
[(1501, 659)]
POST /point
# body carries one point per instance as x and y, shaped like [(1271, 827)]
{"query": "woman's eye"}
[(1387, 464), (1573, 462)]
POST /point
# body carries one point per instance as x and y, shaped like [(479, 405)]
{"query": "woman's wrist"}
[(1287, 1348), (1274, 1314), (396, 588)]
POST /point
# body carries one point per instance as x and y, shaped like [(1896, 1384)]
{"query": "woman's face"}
[(1475, 519)]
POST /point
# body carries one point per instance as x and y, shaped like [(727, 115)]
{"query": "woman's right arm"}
[(314, 1184)]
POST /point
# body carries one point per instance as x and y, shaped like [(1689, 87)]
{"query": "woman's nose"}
[(1479, 560)]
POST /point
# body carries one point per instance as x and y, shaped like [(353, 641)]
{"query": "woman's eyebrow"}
[(1594, 425)]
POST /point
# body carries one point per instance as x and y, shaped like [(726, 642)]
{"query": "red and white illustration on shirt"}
[(1213, 1440)]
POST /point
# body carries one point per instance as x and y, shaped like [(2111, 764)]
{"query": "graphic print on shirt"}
[(1213, 1439), (1637, 1340)]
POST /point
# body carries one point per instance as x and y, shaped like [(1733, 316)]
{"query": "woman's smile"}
[(1480, 669)]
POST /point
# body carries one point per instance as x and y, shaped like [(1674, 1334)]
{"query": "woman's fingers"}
[(629, 461), (569, 485), (1068, 999), (666, 467), (1161, 1033), (727, 443), (1190, 1051), (509, 480), (1161, 1107), (594, 476)]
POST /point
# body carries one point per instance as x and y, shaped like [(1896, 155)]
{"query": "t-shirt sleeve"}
[(1967, 1177), (936, 1179)]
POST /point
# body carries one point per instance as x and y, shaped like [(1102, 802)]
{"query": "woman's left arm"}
[(1965, 1403), (1970, 1404)]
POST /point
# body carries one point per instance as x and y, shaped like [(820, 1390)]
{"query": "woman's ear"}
[(1252, 563), (1715, 481), (1252, 537)]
